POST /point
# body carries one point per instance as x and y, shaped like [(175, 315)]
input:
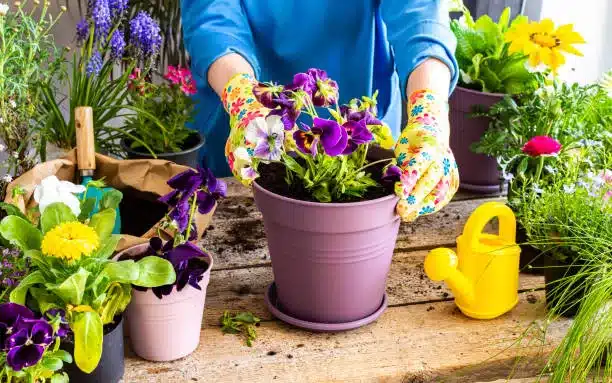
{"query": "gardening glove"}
[(428, 172), (242, 107)]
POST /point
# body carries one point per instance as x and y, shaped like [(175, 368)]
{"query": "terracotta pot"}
[(330, 260), (168, 328), (190, 156), (478, 172)]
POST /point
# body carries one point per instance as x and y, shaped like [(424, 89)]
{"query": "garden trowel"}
[(86, 160)]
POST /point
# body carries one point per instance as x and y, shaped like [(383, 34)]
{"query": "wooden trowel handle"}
[(86, 144)]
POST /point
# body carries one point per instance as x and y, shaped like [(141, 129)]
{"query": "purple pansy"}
[(27, 345), (329, 133), (145, 35), (304, 82), (10, 313), (358, 134), (288, 112), (101, 16), (208, 197), (326, 92), (267, 94), (391, 175), (94, 65), (117, 45), (59, 315), (82, 31)]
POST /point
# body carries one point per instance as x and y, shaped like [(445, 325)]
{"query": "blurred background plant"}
[(28, 60), (110, 47), (13, 268)]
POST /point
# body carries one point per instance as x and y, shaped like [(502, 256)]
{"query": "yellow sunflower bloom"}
[(543, 43), (70, 241)]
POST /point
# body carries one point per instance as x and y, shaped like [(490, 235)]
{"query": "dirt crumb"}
[(532, 299), (271, 353)]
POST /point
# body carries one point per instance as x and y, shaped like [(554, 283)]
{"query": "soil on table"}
[(272, 178), (140, 211)]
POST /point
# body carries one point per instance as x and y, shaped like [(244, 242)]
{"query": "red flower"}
[(542, 146)]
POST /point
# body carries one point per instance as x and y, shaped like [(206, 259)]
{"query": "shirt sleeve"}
[(215, 28), (418, 30)]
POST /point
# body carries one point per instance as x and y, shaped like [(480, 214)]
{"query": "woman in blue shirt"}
[(398, 47)]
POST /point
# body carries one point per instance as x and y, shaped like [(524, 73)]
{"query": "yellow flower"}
[(542, 43), (70, 241)]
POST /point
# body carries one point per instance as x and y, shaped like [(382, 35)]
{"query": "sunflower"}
[(542, 43), (70, 241)]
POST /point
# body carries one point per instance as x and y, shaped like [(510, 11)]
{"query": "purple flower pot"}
[(330, 260), (478, 172)]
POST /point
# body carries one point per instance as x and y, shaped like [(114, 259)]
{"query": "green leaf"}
[(52, 363), (59, 378), (293, 165), (87, 207), (522, 166), (123, 271), (88, 332), (504, 19), (19, 294), (45, 299), (111, 199), (55, 214), (155, 271), (11, 209), (62, 355), (103, 223), (118, 297), (107, 248), (21, 233), (72, 289)]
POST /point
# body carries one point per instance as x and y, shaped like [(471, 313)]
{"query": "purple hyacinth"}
[(82, 31), (145, 35), (118, 7), (117, 45), (329, 133), (94, 65), (100, 13)]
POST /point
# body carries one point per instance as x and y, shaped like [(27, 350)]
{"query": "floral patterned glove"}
[(427, 169), (242, 106)]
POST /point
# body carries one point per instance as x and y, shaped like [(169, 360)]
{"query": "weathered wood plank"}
[(236, 237), (243, 289), (414, 343)]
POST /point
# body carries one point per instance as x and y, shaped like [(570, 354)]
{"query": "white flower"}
[(1, 120), (3, 9), (569, 189), (268, 136), (7, 178), (2, 147), (508, 176), (52, 190), (550, 169), (538, 190), (13, 104), (15, 155), (582, 184)]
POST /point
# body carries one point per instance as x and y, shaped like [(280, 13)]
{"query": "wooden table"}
[(421, 337)]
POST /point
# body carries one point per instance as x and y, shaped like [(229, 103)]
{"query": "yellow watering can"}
[(484, 275)]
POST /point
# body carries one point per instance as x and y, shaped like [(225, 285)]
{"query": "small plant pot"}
[(169, 328), (188, 157), (477, 172), (532, 259), (111, 366), (330, 260), (565, 303)]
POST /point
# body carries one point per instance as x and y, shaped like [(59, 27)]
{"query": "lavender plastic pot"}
[(169, 328), (478, 172), (330, 260)]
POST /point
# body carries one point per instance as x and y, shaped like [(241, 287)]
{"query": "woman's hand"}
[(429, 176)]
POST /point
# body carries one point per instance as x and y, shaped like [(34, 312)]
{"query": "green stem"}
[(374, 163), (191, 215), (539, 171)]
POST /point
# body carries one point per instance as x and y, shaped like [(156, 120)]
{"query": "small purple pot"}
[(478, 172), (330, 260)]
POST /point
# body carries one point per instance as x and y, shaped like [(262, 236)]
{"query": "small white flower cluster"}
[(3, 9)]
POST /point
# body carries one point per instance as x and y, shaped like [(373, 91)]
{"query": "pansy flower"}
[(27, 344), (326, 92), (10, 313), (358, 134), (268, 136), (331, 135), (267, 94)]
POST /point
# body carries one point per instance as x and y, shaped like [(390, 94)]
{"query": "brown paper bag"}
[(148, 177)]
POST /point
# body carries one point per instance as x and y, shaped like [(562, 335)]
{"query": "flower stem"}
[(191, 214), (374, 163), (539, 170)]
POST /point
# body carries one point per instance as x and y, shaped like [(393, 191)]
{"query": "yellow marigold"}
[(70, 241), (543, 43)]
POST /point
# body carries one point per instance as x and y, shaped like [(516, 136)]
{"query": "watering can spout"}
[(442, 265)]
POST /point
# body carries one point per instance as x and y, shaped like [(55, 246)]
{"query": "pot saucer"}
[(274, 307)]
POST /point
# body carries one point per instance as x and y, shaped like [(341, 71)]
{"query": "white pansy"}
[(7, 178), (52, 190), (267, 135), (3, 9)]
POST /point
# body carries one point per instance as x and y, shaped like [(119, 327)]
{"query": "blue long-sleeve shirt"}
[(365, 45)]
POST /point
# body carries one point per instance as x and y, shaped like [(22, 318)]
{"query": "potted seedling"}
[(165, 321), (71, 271)]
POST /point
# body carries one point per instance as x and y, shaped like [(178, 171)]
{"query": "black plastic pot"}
[(111, 366), (566, 303), (530, 256), (190, 156)]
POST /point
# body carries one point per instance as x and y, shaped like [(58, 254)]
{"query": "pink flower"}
[(189, 88), (607, 176), (173, 75), (541, 146)]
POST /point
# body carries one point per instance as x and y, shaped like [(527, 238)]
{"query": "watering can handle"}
[(86, 145), (483, 214)]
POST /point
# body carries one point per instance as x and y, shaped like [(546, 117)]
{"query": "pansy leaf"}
[(107, 248), (51, 363), (111, 199), (87, 207), (103, 223), (55, 214), (21, 233), (59, 378), (18, 295), (293, 165), (62, 355), (88, 332), (155, 271), (123, 271), (72, 289)]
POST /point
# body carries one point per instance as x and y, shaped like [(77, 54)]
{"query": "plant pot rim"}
[(135, 248), (200, 143), (472, 91), (263, 190)]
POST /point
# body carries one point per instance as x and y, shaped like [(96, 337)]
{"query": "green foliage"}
[(20, 233), (483, 58), (48, 369), (28, 58), (55, 214), (242, 323), (103, 222), (88, 333), (163, 112)]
